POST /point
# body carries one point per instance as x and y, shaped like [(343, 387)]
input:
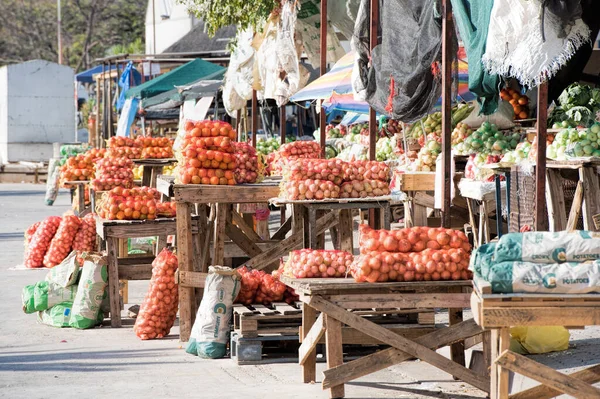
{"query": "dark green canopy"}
[(187, 73)]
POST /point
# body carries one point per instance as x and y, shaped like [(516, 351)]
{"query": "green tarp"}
[(187, 73)]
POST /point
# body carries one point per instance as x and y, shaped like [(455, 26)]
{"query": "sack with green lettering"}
[(210, 332), (93, 281), (66, 273), (546, 247), (544, 278), (481, 259), (57, 316), (43, 295)]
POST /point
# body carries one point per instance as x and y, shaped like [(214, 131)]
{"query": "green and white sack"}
[(43, 295), (541, 278), (66, 273), (481, 259), (57, 316), (210, 332), (545, 247), (93, 280)]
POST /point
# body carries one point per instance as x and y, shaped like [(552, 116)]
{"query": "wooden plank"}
[(113, 282), (591, 200), (207, 194), (309, 367), (345, 229), (286, 309), (283, 230), (555, 200), (242, 240), (146, 176), (457, 349), (135, 272), (575, 208), (420, 215), (187, 278), (539, 316), (590, 375), (293, 242), (503, 345), (310, 341), (335, 354), (219, 233), (547, 376), (494, 367), (423, 181), (242, 309), (406, 345), (187, 299), (243, 226), (389, 357), (400, 300), (263, 310)]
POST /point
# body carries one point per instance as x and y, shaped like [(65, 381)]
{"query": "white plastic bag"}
[(210, 332), (503, 117)]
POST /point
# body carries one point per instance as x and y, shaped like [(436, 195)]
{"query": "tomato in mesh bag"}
[(85, 239), (40, 241), (159, 309), (250, 282), (61, 243)]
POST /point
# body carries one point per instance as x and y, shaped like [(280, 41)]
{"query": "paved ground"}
[(37, 361)]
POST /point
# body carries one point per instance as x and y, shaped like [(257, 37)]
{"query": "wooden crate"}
[(416, 181)]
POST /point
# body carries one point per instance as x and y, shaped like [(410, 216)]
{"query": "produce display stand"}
[(498, 312), (151, 168), (133, 268), (306, 212), (336, 298), (78, 188), (418, 187)]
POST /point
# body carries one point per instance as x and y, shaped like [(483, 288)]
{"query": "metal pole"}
[(59, 28), (254, 118), (153, 29), (540, 161), (109, 101), (323, 68), (447, 31), (374, 217)]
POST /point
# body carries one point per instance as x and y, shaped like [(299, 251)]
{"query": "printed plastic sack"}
[(210, 332), (61, 243), (43, 295), (66, 273), (57, 316), (545, 247), (482, 259), (543, 339), (53, 180), (90, 291), (40, 241), (159, 309), (544, 278)]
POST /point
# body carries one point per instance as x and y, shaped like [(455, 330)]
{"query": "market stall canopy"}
[(175, 97), (190, 72), (335, 88), (88, 76)]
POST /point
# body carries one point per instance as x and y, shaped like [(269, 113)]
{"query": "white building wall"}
[(3, 106), (172, 23), (40, 109)]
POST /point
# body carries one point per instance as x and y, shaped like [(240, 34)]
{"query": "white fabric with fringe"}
[(519, 46)]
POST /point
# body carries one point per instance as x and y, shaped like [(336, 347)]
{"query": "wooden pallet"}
[(258, 320)]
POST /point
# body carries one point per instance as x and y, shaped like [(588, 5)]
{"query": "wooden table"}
[(151, 168), (223, 222), (78, 188), (484, 202), (335, 298), (306, 213), (499, 312)]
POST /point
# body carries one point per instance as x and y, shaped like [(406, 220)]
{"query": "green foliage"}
[(242, 13)]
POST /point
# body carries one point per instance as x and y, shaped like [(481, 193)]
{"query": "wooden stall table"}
[(78, 188), (132, 268), (305, 214), (224, 222), (151, 168), (499, 312), (336, 298)]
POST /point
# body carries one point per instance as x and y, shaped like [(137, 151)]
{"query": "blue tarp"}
[(88, 76)]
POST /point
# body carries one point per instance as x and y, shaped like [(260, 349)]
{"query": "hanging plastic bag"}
[(539, 339), (210, 333)]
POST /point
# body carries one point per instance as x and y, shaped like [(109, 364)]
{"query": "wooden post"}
[(323, 69), (374, 24), (108, 105), (447, 31), (540, 169), (254, 118)]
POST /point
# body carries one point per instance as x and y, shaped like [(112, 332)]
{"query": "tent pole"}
[(254, 118), (447, 31), (323, 69), (540, 161), (373, 41), (282, 128), (109, 100)]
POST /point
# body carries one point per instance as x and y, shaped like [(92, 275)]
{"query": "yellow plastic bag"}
[(535, 340)]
